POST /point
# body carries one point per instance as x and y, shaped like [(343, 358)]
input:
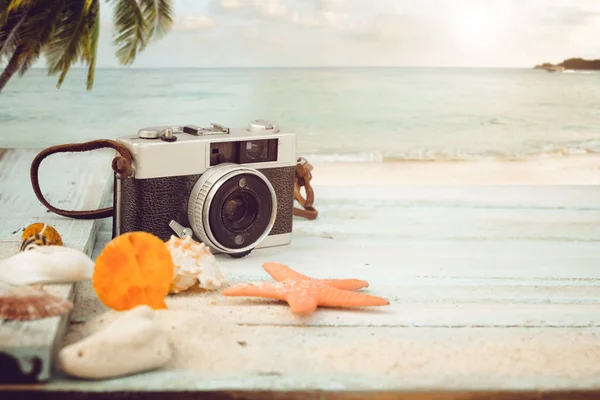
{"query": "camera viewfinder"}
[(243, 152), (253, 151)]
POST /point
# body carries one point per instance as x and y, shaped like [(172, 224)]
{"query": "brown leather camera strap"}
[(121, 164), (303, 177)]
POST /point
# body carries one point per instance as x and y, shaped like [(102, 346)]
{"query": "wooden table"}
[(74, 181), (493, 290)]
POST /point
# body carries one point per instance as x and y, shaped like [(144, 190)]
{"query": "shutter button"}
[(168, 136)]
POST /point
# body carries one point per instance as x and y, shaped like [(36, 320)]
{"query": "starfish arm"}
[(346, 284), (263, 289), (300, 303), (281, 272), (332, 297)]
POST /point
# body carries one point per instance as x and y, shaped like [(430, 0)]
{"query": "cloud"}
[(231, 4), (264, 8), (356, 16), (183, 23), (568, 15), (193, 23), (330, 5)]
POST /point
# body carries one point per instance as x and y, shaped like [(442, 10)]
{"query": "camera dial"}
[(263, 126), (232, 208), (155, 132)]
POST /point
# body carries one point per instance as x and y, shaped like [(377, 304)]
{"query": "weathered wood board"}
[(69, 181), (492, 289)]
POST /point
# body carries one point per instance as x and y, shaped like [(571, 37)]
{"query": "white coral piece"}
[(46, 264), (194, 262)]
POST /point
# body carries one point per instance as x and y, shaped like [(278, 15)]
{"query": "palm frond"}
[(17, 4), (158, 14), (67, 32), (37, 31), (4, 11), (9, 33), (131, 27), (137, 23), (12, 67), (11, 6), (89, 4), (91, 41), (67, 46)]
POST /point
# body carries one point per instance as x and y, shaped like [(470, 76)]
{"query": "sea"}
[(339, 114)]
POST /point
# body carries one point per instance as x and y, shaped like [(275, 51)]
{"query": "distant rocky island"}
[(571, 64)]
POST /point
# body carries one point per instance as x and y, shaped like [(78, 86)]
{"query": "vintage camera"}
[(231, 188)]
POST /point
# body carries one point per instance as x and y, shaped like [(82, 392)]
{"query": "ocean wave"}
[(573, 71), (419, 155)]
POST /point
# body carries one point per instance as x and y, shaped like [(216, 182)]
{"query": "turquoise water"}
[(349, 114)]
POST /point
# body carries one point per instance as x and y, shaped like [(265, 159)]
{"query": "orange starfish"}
[(305, 294)]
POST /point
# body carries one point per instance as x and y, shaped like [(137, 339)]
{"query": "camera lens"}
[(232, 208), (239, 211)]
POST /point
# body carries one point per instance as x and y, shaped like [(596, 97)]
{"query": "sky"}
[(274, 33)]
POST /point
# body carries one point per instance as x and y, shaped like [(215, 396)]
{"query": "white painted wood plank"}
[(464, 196), (398, 213), (383, 260), (69, 181), (490, 288)]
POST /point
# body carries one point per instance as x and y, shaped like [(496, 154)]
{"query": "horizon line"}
[(294, 66)]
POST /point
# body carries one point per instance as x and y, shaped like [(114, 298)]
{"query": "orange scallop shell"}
[(133, 269), (51, 234)]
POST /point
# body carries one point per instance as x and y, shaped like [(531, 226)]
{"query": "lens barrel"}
[(232, 208)]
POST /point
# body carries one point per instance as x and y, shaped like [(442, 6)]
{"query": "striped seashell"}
[(34, 240), (39, 234), (24, 303)]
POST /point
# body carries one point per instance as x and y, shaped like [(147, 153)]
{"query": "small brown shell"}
[(24, 303), (34, 240), (40, 228)]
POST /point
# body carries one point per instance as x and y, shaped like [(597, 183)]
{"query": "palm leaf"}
[(4, 11), (8, 7), (131, 27), (91, 41), (137, 23), (65, 46), (158, 14), (89, 4), (38, 30), (67, 31), (17, 4), (9, 33)]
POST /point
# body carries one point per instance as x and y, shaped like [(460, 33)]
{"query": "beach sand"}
[(572, 170)]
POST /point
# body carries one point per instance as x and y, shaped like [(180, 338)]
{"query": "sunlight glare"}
[(475, 25)]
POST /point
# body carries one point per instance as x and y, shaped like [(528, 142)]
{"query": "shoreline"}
[(571, 170)]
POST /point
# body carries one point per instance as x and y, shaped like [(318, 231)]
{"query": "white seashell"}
[(46, 264), (24, 303), (132, 343), (194, 262)]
